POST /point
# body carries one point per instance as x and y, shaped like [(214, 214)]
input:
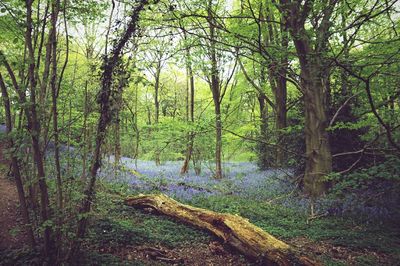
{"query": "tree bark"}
[(157, 105), (15, 165), (34, 130), (263, 147), (54, 95), (277, 71), (110, 62), (318, 152), (281, 100), (189, 110), (216, 93), (233, 230), (314, 75)]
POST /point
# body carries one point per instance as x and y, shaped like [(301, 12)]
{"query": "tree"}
[(110, 62), (314, 80), (189, 105)]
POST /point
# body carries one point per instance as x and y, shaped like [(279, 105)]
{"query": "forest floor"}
[(132, 235), (352, 231), (10, 218), (12, 238), (121, 235)]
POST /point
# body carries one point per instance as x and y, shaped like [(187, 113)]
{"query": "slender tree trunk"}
[(263, 159), (157, 106), (121, 85), (218, 142), (215, 89), (15, 165), (263, 148), (281, 99), (34, 130), (156, 93), (280, 121), (109, 64), (189, 111), (54, 96), (117, 147), (136, 130), (85, 132)]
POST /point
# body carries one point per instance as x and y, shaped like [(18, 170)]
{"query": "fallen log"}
[(233, 230)]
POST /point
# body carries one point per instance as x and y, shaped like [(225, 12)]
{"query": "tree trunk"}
[(157, 107), (156, 93), (281, 100), (85, 132), (318, 152), (262, 146), (54, 96), (314, 76), (110, 62), (117, 147), (15, 165), (277, 77), (218, 142), (34, 130), (137, 133), (233, 230), (280, 122), (215, 89), (189, 111)]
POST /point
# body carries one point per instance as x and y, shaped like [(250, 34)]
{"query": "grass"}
[(287, 223), (119, 225), (116, 226), (124, 226)]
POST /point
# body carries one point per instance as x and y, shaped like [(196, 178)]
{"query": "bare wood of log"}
[(234, 230)]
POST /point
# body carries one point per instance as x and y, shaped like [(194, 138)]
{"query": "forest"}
[(189, 132)]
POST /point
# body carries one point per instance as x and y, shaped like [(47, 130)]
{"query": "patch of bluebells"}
[(241, 179)]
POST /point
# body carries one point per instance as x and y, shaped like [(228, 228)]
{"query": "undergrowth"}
[(119, 225)]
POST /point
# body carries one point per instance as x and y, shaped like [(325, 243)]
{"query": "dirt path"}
[(10, 218)]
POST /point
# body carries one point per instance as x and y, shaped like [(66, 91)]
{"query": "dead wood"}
[(235, 231)]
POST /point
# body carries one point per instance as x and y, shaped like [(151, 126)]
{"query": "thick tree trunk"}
[(314, 77), (233, 230), (318, 152)]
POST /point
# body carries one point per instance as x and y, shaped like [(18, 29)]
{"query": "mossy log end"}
[(233, 230)]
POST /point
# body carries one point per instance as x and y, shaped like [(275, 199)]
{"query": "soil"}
[(198, 254), (10, 217), (337, 253)]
